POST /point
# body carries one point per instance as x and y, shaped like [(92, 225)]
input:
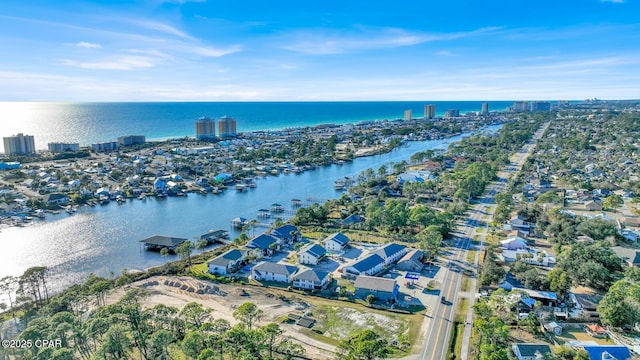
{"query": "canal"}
[(104, 240)]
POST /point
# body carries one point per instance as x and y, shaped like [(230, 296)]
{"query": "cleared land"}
[(335, 320)]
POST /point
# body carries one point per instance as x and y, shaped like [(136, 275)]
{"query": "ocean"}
[(87, 123)]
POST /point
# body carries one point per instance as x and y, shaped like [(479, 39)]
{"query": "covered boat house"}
[(157, 242)]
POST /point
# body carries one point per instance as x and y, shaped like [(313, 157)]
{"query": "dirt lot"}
[(224, 301), (335, 320)]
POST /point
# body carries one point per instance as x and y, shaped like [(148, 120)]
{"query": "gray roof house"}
[(530, 351), (391, 253), (227, 262), (381, 288), (268, 271), (630, 257), (56, 199), (311, 279), (411, 261)]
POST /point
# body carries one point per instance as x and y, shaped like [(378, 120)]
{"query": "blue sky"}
[(237, 50)]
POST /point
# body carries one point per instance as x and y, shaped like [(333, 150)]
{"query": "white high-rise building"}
[(19, 144), (430, 111), (408, 114)]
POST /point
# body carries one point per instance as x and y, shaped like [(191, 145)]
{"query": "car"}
[(443, 300)]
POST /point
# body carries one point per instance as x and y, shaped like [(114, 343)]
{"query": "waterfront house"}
[(157, 242), (336, 243), (381, 288), (311, 254), (524, 351), (607, 352), (239, 222), (311, 279), (411, 261), (287, 233), (56, 199), (369, 265), (160, 185), (263, 245), (268, 271), (391, 253), (221, 236), (228, 262)]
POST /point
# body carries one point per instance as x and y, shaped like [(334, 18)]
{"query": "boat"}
[(252, 184), (263, 213), (339, 184), (103, 199), (276, 208), (241, 187), (142, 197), (239, 222), (216, 190)]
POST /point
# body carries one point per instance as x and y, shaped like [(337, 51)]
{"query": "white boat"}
[(241, 187)]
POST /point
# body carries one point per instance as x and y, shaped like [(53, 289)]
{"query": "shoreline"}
[(190, 144)]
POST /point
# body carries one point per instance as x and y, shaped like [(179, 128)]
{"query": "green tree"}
[(185, 250), (430, 239), (612, 202), (8, 288), (201, 245), (365, 345), (195, 314), (248, 313), (620, 306), (159, 344), (559, 281)]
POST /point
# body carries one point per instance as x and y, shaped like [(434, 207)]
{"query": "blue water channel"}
[(105, 239)]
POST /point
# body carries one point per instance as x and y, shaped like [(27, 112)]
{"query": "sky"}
[(238, 50)]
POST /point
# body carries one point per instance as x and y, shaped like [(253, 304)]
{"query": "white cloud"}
[(326, 42), (445, 53), (161, 27), (87, 45), (126, 62), (208, 51)]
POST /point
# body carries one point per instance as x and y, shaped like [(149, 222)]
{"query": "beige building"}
[(227, 127), (205, 128)]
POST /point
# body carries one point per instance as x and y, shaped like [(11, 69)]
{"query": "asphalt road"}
[(441, 323)]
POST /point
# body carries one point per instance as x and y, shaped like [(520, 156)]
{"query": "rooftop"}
[(160, 240), (375, 283)]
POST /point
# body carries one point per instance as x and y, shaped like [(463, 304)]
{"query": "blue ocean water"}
[(88, 123)]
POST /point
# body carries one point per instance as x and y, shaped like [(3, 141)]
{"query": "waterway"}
[(105, 240)]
